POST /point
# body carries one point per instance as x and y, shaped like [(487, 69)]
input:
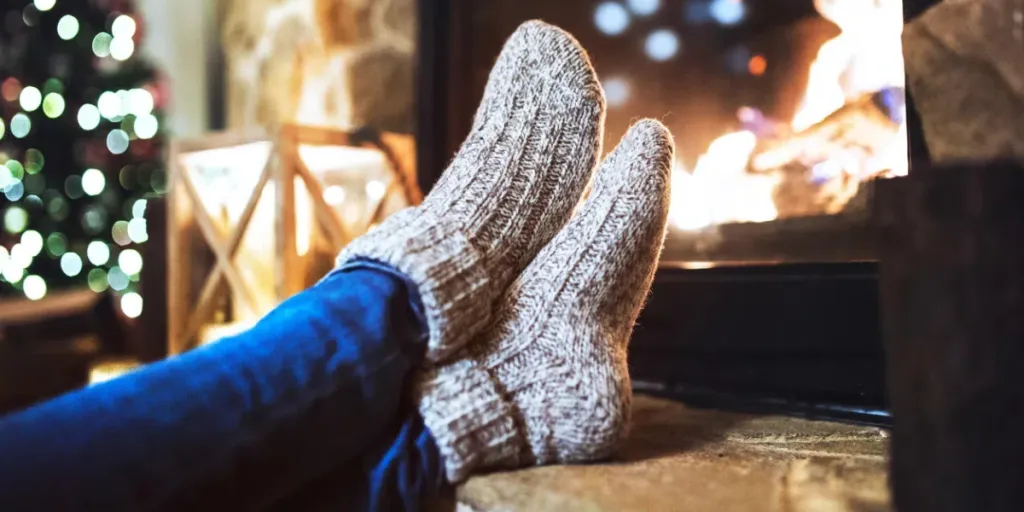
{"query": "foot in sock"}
[(549, 383), (512, 186)]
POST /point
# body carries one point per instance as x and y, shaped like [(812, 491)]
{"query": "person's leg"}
[(402, 471), (238, 424)]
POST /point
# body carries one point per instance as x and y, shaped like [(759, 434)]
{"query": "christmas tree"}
[(80, 147)]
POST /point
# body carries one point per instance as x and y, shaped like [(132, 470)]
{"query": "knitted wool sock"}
[(512, 186), (549, 382)]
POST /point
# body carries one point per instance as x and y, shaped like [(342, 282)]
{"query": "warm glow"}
[(109, 370), (757, 65), (734, 181)]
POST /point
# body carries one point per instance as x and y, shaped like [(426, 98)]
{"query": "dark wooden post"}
[(952, 293)]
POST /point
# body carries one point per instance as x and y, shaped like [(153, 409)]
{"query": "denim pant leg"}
[(402, 471), (237, 425)]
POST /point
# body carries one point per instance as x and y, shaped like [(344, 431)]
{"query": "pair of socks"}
[(530, 296)]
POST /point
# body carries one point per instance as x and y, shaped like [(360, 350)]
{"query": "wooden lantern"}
[(253, 220)]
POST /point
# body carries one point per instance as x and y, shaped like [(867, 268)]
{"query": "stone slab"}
[(679, 458)]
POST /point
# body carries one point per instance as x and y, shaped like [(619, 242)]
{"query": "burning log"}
[(820, 169)]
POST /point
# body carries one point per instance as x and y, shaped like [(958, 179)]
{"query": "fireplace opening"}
[(785, 115)]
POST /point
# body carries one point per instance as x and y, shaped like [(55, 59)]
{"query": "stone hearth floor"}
[(679, 458)]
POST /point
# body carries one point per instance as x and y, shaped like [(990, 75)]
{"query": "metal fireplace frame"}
[(800, 338)]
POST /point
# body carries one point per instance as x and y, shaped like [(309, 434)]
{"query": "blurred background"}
[(172, 170)]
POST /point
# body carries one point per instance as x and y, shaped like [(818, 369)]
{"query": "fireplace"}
[(785, 116)]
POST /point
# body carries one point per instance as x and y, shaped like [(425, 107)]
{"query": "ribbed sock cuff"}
[(448, 271), (469, 418)]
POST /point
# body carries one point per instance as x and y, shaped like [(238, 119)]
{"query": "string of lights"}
[(80, 148)]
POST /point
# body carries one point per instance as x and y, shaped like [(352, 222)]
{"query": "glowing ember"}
[(849, 128)]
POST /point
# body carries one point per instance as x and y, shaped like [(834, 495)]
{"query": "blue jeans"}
[(307, 409)]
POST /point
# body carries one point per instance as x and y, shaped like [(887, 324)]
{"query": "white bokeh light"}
[(109, 105), (644, 7), (662, 45), (44, 5), (67, 27), (130, 261), (611, 18), (616, 91), (375, 190), (20, 125), (32, 241), (137, 230), (71, 264), (122, 48), (131, 304), (728, 12), (123, 26), (34, 287), (146, 126), (98, 253), (88, 117), (334, 195), (13, 273), (30, 98), (117, 141), (93, 182), (140, 102)]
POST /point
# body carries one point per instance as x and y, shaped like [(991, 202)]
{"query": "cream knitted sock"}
[(549, 382), (512, 186)]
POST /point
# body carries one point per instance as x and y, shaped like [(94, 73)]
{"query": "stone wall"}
[(340, 63), (965, 69)]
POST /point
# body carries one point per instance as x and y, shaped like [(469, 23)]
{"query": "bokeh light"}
[(137, 230), (30, 98), (32, 241), (757, 65), (661, 45), (121, 48), (98, 252), (34, 287), (67, 27), (140, 102), (616, 91), (139, 208), (56, 244), (44, 5), (93, 182), (109, 105), (101, 44), (71, 264), (130, 261), (88, 117), (131, 304), (146, 126), (644, 7), (375, 190), (15, 219), (34, 161), (117, 279), (119, 232), (611, 18), (13, 273), (123, 26), (728, 12), (117, 141), (14, 191), (53, 105), (20, 125), (97, 280)]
